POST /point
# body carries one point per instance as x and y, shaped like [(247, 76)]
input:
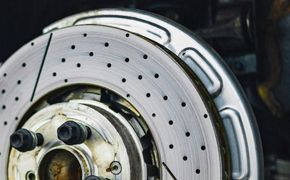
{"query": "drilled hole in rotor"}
[(124, 80), (73, 47), (184, 158), (79, 65), (63, 60), (3, 91), (171, 146), (106, 44), (5, 123), (85, 34), (5, 74), (54, 74), (19, 82), (128, 95), (170, 122), (3, 107), (165, 98), (183, 104), (153, 115), (145, 56), (203, 148), (16, 98), (205, 115), (197, 171), (23, 64), (127, 35), (148, 95), (127, 59), (65, 80), (109, 65), (156, 75), (16, 119), (140, 77), (187, 134), (32, 43), (91, 54)]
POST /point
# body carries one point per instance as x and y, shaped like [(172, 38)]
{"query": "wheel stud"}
[(24, 140), (72, 133)]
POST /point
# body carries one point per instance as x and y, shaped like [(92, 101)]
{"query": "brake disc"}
[(156, 103)]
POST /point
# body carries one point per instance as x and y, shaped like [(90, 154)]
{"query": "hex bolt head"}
[(92, 177), (73, 133), (24, 140)]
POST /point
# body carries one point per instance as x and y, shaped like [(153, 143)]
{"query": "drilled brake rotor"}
[(155, 109)]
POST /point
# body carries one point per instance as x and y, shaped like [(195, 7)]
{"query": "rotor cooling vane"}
[(119, 94)]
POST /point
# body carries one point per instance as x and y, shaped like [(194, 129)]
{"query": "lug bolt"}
[(24, 140), (92, 177), (72, 133)]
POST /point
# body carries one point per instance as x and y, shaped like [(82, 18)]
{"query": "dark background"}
[(22, 21)]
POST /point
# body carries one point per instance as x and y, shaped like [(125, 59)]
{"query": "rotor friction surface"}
[(240, 127), (151, 80)]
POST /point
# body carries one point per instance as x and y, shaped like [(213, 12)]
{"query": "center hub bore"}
[(60, 164)]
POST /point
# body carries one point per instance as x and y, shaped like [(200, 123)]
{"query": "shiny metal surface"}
[(158, 71), (154, 83), (238, 119)]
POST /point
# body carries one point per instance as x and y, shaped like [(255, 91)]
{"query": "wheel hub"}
[(113, 149)]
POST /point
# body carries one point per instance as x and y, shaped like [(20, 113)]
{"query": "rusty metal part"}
[(60, 164)]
